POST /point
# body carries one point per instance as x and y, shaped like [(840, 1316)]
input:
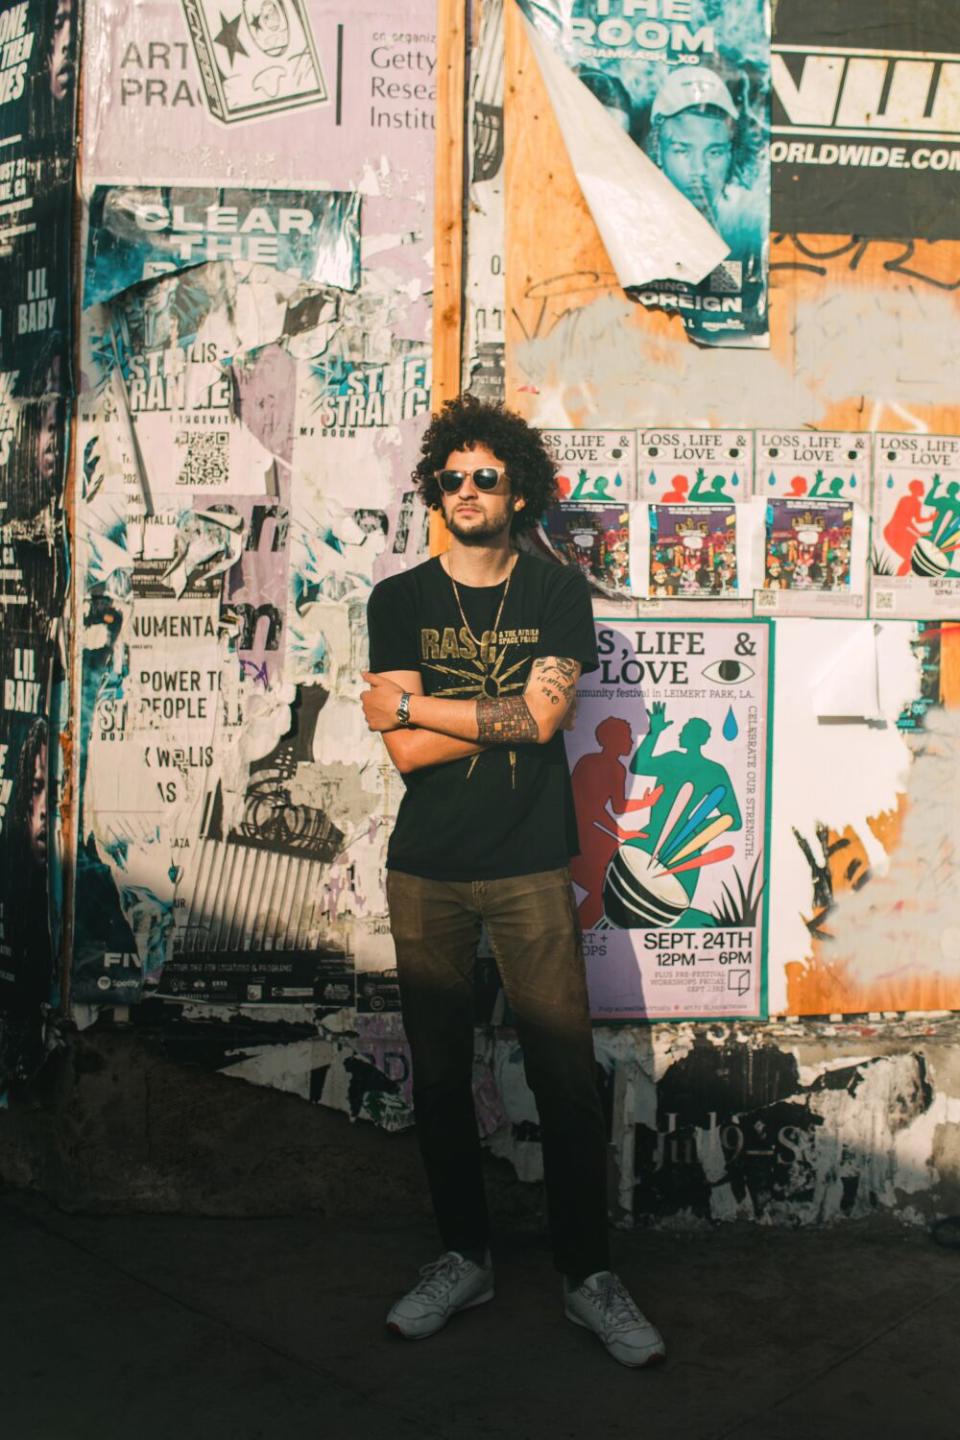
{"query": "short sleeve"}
[(391, 629), (567, 627)]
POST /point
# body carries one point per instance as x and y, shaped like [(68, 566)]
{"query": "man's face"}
[(37, 818), (695, 153), (60, 60), (47, 447), (477, 517)]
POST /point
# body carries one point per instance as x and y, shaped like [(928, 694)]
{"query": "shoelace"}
[(438, 1276), (619, 1310)]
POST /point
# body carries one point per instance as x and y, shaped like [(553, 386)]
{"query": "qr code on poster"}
[(765, 600), (207, 458), (727, 278)]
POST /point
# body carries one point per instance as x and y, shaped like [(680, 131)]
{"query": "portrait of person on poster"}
[(707, 147)]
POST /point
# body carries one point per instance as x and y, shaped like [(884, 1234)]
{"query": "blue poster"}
[(689, 81), (139, 232)]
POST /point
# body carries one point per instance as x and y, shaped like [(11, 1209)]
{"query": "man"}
[(474, 660), (699, 140)]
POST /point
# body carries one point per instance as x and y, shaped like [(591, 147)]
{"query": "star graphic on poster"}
[(229, 38)]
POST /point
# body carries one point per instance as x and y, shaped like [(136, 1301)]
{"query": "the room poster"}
[(670, 760), (690, 84)]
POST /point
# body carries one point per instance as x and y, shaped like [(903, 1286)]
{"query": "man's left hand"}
[(380, 702)]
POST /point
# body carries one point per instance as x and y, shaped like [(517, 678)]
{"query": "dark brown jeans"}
[(532, 924)]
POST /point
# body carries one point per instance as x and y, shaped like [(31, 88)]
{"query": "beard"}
[(482, 532)]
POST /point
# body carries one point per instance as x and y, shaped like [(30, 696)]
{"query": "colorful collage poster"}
[(817, 488), (595, 538), (701, 540), (916, 527), (692, 89), (670, 759), (693, 552)]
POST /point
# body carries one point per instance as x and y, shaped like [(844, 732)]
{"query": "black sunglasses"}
[(486, 478)]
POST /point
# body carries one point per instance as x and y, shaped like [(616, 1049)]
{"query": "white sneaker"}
[(604, 1305), (450, 1284)]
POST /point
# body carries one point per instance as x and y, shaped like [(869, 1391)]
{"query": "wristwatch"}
[(403, 709)]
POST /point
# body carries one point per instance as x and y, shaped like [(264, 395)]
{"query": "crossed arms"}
[(442, 730)]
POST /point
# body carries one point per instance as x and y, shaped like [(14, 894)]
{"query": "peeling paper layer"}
[(651, 231)]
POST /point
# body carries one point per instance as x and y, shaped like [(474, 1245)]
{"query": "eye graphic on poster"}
[(669, 767)]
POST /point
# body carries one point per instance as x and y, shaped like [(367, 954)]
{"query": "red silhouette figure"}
[(678, 494), (907, 525), (599, 788), (798, 485)]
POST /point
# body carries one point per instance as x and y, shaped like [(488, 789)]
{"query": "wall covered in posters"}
[(255, 375), (853, 434)]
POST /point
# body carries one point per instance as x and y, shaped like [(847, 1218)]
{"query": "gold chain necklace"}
[(512, 754), (503, 600)]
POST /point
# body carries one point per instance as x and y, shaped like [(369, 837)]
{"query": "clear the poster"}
[(670, 760), (689, 81)]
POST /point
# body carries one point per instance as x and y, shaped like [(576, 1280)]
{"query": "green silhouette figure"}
[(672, 770), (717, 489), (834, 490), (947, 507), (597, 491)]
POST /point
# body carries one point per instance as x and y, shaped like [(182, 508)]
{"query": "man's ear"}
[(518, 502)]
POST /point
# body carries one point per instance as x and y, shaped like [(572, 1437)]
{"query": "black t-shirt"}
[(505, 811)]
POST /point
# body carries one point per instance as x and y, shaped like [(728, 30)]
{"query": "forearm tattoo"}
[(556, 677), (505, 722)]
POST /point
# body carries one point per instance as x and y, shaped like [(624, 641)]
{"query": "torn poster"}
[(670, 779), (916, 527), (686, 88), (38, 48), (138, 232)]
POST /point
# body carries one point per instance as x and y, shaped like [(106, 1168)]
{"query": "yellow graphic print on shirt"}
[(486, 671)]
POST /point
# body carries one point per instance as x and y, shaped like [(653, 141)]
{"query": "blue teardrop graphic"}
[(730, 727)]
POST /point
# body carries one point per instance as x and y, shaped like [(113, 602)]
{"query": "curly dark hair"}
[(465, 422)]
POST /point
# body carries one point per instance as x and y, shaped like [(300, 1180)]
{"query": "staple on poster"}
[(651, 231)]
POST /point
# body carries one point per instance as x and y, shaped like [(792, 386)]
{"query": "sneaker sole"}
[(656, 1358), (395, 1329)]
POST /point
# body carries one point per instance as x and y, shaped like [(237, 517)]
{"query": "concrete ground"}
[(263, 1329)]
